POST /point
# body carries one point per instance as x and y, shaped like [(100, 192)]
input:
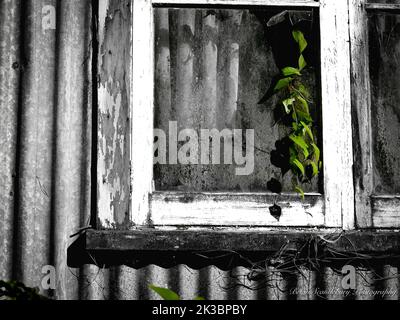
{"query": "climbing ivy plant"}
[(297, 151)]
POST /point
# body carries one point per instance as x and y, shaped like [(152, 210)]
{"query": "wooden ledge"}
[(385, 7), (238, 241)]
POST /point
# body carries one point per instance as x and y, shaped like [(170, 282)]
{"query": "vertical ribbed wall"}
[(45, 135), (45, 165)]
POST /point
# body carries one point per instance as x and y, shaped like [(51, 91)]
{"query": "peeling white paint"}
[(108, 189)]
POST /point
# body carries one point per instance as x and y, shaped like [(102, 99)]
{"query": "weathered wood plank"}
[(382, 6), (361, 100), (386, 211), (379, 211), (113, 154), (142, 110), (291, 3), (336, 114), (241, 240), (211, 209)]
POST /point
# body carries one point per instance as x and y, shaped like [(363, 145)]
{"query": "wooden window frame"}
[(372, 211), (333, 209)]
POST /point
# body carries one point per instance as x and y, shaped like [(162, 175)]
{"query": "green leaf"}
[(290, 71), (300, 191), (299, 141), (317, 152), (199, 299), (307, 130), (283, 83), (304, 104), (287, 103), (299, 38), (315, 168), (164, 293), (304, 116), (292, 153), (299, 165), (304, 91), (302, 63)]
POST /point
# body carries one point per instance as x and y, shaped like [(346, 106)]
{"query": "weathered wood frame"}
[(352, 242), (335, 208), (372, 211)]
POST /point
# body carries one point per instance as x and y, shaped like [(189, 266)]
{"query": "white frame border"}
[(336, 109)]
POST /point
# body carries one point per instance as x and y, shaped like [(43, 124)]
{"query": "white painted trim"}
[(335, 209), (291, 3), (336, 114), (142, 110), (235, 209), (386, 211)]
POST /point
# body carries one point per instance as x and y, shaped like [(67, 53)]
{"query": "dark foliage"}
[(14, 290)]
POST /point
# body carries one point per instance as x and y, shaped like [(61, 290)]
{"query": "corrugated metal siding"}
[(45, 133), (45, 170)]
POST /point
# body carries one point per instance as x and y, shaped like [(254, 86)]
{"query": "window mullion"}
[(361, 99), (142, 110), (336, 114)]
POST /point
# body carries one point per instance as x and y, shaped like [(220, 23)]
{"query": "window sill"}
[(225, 249), (377, 241)]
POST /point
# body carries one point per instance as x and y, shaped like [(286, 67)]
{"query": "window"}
[(164, 203), (374, 27)]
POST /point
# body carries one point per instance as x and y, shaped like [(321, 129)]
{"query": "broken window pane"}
[(384, 50), (213, 67)]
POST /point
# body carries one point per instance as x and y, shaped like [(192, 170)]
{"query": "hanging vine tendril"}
[(297, 151)]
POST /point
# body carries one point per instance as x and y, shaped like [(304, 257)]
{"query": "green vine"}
[(297, 151)]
